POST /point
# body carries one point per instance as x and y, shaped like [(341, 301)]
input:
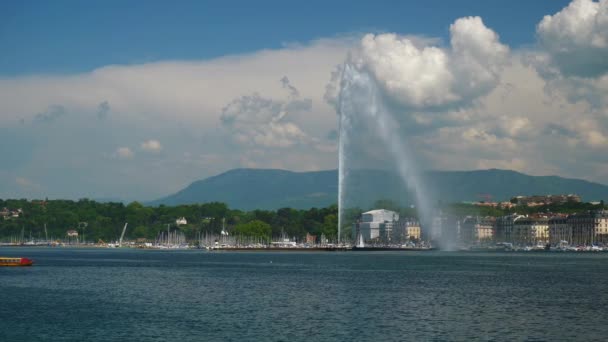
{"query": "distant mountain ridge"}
[(249, 189)]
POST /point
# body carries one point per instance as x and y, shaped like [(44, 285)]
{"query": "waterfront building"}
[(485, 229), (589, 228), (531, 230), (376, 225), (474, 230), (560, 230), (601, 226), (504, 227), (406, 230), (414, 232), (467, 230)]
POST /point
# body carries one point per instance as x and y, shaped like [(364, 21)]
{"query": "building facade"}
[(560, 230), (376, 225), (485, 229), (530, 231), (504, 227), (589, 228), (406, 230), (475, 230)]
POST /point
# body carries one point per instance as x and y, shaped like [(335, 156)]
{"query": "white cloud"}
[(596, 139), (471, 103), (514, 126), (74, 123), (416, 76), (521, 127), (573, 52), (193, 92), (477, 104), (576, 38), (425, 77), (151, 145), (124, 153), (255, 121)]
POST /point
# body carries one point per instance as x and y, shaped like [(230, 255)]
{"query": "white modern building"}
[(376, 225)]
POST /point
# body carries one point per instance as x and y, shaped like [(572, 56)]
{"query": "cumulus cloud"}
[(513, 126), (595, 138), (124, 153), (332, 88), (525, 129), (555, 129), (478, 103), (254, 120), (424, 77), (576, 38), (573, 52), (151, 145), (293, 91)]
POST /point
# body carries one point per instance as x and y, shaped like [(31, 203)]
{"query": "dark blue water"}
[(128, 295)]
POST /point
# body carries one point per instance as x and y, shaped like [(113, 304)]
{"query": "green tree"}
[(330, 226), (255, 228), (140, 232)]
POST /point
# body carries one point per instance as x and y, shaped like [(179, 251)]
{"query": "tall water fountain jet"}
[(343, 141), (389, 73), (341, 171), (360, 99)]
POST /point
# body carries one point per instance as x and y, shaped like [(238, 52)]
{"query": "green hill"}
[(249, 189), (261, 189)]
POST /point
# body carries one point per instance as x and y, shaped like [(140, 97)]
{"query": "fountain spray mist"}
[(341, 176), (360, 98), (344, 129)]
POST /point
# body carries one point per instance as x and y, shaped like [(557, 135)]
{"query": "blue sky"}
[(137, 99), (76, 36)]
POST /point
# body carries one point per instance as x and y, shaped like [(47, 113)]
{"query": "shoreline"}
[(315, 249)]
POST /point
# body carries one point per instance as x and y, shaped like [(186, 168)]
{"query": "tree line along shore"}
[(24, 220)]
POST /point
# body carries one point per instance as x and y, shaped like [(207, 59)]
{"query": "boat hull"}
[(15, 262)]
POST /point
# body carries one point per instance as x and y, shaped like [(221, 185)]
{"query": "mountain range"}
[(270, 189)]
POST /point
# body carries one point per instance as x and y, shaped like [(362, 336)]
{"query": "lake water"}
[(139, 295)]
